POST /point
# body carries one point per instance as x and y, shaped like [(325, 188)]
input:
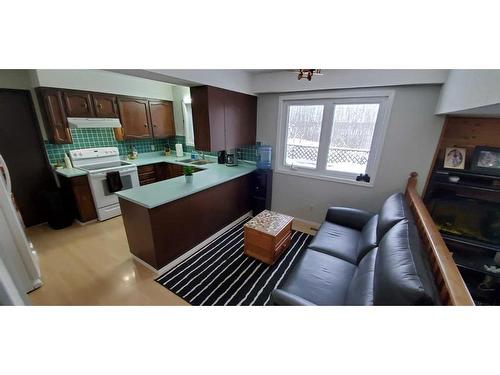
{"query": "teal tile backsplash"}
[(86, 138)]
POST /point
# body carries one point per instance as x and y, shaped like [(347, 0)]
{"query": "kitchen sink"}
[(195, 162), (201, 162)]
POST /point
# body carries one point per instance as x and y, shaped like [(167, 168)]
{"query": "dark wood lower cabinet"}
[(151, 173), (161, 234), (147, 174), (176, 170), (77, 192)]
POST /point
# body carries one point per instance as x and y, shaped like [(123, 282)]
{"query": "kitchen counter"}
[(162, 192), (166, 219), (70, 172)]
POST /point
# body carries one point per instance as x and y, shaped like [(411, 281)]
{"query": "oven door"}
[(99, 186)]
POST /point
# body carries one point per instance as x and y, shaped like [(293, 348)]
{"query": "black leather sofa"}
[(360, 258)]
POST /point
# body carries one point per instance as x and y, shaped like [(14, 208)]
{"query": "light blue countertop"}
[(143, 159), (159, 193), (70, 172)]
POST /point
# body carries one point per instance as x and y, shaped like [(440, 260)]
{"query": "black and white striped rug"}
[(220, 274)]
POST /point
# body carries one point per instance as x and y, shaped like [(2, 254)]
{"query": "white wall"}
[(14, 79), (230, 79), (179, 93), (467, 89), (412, 136), (103, 81), (286, 81)]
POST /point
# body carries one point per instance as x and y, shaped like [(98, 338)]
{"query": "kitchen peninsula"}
[(164, 220)]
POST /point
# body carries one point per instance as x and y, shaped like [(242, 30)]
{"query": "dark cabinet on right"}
[(262, 188), (222, 119)]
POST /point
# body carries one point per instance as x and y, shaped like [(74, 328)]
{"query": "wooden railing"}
[(450, 284)]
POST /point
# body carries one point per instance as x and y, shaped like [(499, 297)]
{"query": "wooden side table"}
[(267, 235)]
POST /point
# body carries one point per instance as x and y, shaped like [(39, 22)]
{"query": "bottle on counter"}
[(133, 154), (67, 161), (58, 164)]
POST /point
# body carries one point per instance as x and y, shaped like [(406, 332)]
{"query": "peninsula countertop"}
[(162, 192)]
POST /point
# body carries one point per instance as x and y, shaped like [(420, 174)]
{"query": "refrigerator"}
[(19, 265)]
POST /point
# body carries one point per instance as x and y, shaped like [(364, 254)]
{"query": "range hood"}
[(82, 123)]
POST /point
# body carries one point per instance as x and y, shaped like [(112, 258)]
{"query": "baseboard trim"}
[(147, 265), (302, 225), (195, 249)]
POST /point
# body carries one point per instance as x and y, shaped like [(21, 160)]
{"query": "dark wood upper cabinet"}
[(105, 105), (134, 117), (162, 118), (240, 113), (222, 119), (78, 104), (141, 118), (54, 116)]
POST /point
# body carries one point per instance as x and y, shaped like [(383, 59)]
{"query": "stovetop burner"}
[(99, 166)]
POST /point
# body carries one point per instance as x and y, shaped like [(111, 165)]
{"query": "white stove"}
[(98, 162)]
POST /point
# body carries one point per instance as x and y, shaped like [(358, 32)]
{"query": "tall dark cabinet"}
[(21, 146), (262, 188), (222, 119)]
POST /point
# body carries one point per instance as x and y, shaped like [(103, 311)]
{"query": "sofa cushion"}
[(367, 238), (393, 211), (318, 278), (360, 292), (397, 280), (337, 240), (348, 217)]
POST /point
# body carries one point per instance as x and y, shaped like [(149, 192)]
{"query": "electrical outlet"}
[(152, 147)]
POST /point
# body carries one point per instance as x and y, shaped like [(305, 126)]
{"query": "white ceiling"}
[(259, 81)]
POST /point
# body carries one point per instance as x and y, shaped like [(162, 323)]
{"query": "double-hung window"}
[(336, 136)]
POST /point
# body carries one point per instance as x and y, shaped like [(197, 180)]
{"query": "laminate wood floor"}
[(92, 265)]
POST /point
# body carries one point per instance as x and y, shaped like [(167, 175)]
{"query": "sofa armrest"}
[(348, 217), (282, 298)]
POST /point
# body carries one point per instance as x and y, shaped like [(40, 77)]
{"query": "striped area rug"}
[(220, 274)]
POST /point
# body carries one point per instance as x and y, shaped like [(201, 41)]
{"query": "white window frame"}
[(384, 98)]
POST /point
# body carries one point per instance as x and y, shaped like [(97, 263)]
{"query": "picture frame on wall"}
[(486, 160), (454, 157)]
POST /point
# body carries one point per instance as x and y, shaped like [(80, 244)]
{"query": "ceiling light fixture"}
[(308, 73)]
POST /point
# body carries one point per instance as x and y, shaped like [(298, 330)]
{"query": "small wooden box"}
[(267, 236)]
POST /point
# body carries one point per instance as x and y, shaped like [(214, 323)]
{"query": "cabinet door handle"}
[(145, 125), (84, 105), (154, 126), (99, 106)]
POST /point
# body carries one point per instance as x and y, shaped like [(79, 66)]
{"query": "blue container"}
[(264, 154)]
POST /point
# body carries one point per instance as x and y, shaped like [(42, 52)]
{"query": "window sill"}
[(301, 173)]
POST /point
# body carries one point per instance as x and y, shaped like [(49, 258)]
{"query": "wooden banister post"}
[(453, 290), (412, 181)]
